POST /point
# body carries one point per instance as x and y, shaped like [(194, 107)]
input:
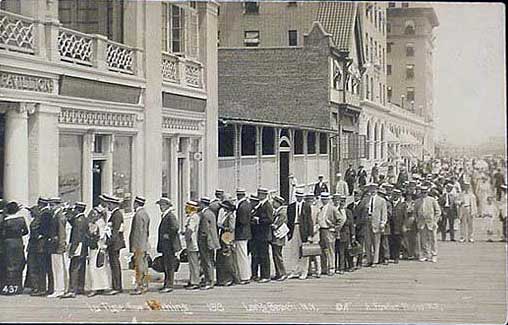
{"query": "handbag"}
[(101, 258), (310, 249)]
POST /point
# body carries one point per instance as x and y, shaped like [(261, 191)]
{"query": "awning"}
[(390, 137), (347, 124), (407, 138), (408, 152), (391, 152)]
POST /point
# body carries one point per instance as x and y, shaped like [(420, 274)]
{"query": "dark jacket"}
[(215, 207), (242, 223), (398, 217), (57, 235), (348, 229), (320, 188), (262, 230), (305, 221), (117, 241), (79, 229), (36, 242), (280, 217), (169, 238), (350, 176), (207, 230), (362, 177)]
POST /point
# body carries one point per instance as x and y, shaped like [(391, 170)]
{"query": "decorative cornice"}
[(95, 118), (182, 124)]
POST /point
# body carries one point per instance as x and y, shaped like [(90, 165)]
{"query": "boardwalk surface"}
[(467, 285)]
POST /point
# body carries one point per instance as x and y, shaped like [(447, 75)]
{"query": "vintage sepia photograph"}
[(298, 162)]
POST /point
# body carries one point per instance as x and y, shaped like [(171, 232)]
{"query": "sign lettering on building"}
[(26, 82)]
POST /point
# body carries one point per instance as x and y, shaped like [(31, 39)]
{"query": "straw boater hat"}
[(279, 199), (164, 200), (140, 200), (205, 200)]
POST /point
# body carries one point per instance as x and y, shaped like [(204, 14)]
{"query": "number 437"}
[(9, 289)]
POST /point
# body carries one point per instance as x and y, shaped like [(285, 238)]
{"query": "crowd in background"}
[(369, 219)]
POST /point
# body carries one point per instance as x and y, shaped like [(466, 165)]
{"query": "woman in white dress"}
[(98, 271), (482, 192)]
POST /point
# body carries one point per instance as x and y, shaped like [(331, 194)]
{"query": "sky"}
[(469, 72)]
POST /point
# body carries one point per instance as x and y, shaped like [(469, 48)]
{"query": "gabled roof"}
[(338, 19)]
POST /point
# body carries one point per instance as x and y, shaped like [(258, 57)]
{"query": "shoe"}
[(38, 294), (187, 285), (264, 280), (68, 295), (422, 259), (275, 277), (167, 290), (229, 284), (461, 240), (282, 278), (56, 295), (471, 240), (301, 277), (434, 259), (385, 263), (489, 240), (317, 276), (136, 292), (113, 292), (207, 287), (255, 278), (293, 276), (452, 239), (92, 294), (192, 287), (244, 282)]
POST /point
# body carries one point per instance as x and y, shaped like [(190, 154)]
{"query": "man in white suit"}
[(428, 213)]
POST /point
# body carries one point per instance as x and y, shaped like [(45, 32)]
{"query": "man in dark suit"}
[(346, 235), (350, 178), (77, 251), (208, 241), (215, 206), (138, 244), (35, 260), (242, 236), (168, 242), (397, 221), (362, 177), (320, 186), (358, 231), (262, 234), (449, 209), (115, 243)]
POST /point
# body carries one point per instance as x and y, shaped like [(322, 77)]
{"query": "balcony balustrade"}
[(181, 71), (16, 33)]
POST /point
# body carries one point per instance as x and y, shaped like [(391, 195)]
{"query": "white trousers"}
[(242, 260), (60, 273)]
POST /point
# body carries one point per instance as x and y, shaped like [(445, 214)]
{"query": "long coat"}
[(169, 238), (117, 241), (12, 230), (242, 223), (280, 217), (191, 232), (305, 221), (427, 213), (208, 229), (77, 239), (261, 230), (347, 231), (140, 229), (379, 216)]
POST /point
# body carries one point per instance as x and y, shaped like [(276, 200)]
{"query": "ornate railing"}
[(170, 65), (75, 47), (16, 32), (193, 76), (119, 57)]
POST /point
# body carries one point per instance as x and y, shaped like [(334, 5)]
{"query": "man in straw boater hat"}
[(428, 213), (467, 211), (279, 234), (115, 243), (57, 246), (262, 234), (168, 242), (77, 251), (242, 236), (138, 244), (327, 219), (191, 243), (208, 242)]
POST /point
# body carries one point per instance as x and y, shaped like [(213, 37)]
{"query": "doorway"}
[(97, 169), (284, 175)]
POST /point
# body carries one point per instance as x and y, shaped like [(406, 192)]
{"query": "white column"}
[(16, 154), (43, 152), (87, 173), (208, 56)]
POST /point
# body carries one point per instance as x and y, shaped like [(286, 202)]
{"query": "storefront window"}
[(122, 171), (70, 160)]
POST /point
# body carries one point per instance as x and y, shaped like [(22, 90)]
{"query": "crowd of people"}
[(235, 241)]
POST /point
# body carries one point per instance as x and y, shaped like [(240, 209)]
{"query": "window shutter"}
[(191, 33)]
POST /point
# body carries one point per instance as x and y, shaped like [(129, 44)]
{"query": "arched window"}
[(268, 141), (410, 27)]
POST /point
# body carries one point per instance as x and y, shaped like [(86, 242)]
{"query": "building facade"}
[(108, 97), (410, 40)]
